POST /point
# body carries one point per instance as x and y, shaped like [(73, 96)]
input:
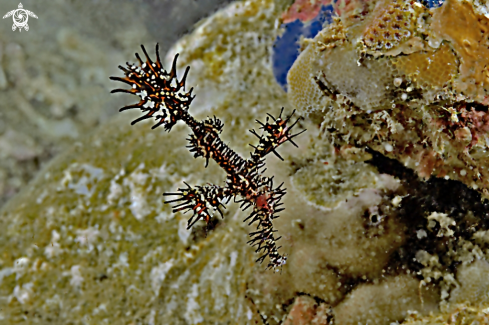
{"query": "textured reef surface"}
[(401, 89), (385, 220), (409, 82)]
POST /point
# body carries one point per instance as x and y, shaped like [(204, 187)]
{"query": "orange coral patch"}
[(428, 69), (467, 32)]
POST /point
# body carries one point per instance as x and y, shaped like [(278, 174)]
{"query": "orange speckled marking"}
[(390, 23)]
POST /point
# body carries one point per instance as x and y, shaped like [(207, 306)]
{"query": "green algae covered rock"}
[(90, 241)]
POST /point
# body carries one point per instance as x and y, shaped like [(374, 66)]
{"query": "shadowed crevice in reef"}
[(459, 202)]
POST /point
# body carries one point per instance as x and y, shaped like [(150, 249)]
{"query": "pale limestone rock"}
[(386, 301)]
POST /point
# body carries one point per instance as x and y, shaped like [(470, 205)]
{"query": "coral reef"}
[(394, 89), (91, 241), (399, 80), (394, 297)]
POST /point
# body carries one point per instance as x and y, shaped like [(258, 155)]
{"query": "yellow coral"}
[(428, 69), (467, 32), (306, 94)]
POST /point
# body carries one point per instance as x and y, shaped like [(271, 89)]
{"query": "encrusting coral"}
[(401, 89), (163, 98), (407, 81)]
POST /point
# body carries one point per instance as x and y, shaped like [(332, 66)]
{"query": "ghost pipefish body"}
[(163, 98)]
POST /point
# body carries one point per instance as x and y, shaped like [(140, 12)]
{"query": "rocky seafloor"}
[(371, 237)]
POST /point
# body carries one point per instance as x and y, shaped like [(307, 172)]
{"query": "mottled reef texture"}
[(90, 241), (402, 90)]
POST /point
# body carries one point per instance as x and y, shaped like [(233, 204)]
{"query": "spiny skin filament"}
[(164, 98)]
